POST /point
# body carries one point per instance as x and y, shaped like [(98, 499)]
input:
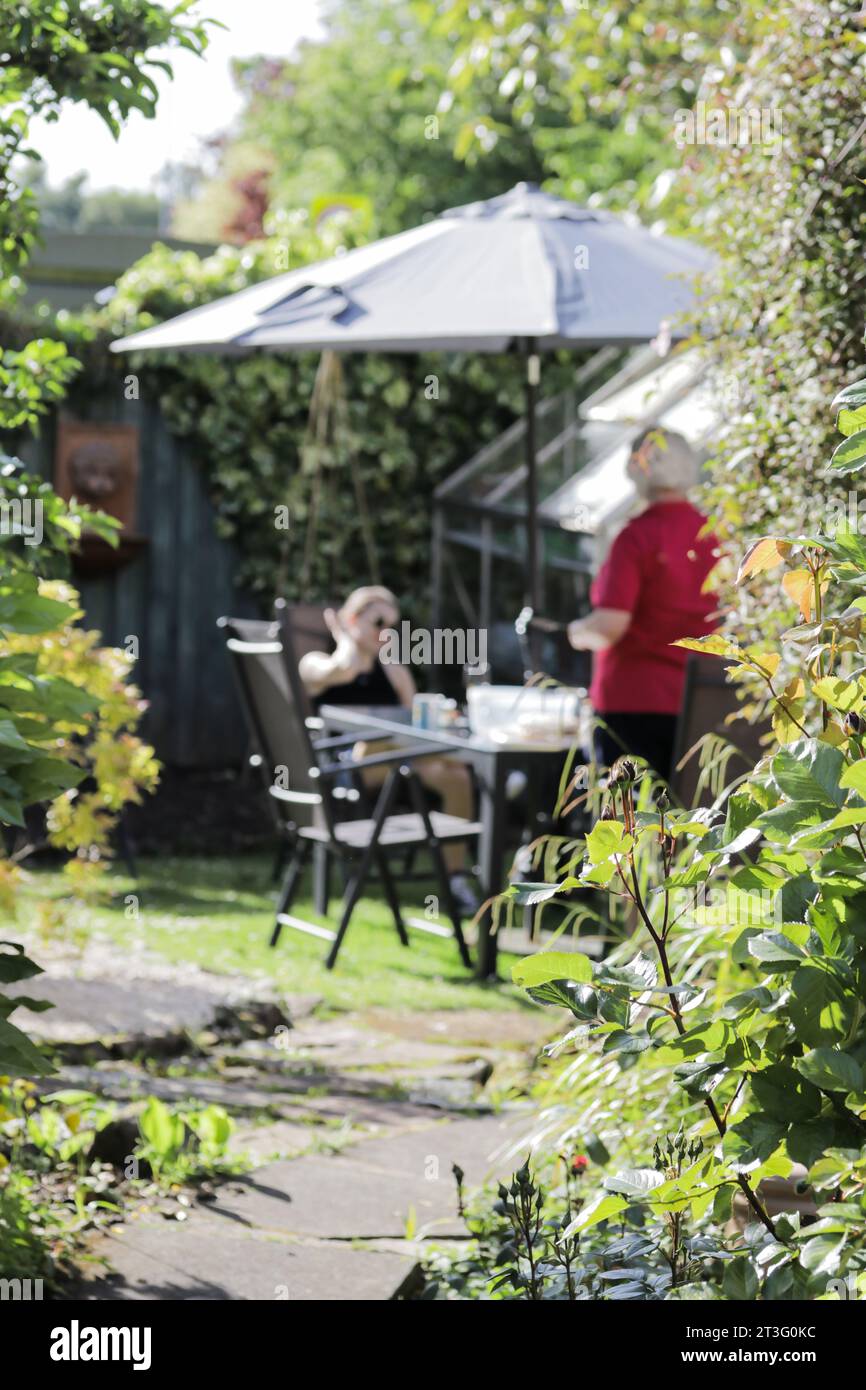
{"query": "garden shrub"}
[(753, 1059), (51, 54), (66, 715)]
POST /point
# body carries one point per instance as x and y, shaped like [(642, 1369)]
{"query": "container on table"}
[(523, 713), (426, 711)]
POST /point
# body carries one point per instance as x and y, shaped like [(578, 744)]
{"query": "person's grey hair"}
[(665, 459)]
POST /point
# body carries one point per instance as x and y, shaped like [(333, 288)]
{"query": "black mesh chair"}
[(262, 713), (316, 785), (311, 634)]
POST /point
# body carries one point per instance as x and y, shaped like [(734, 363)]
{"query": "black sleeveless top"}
[(369, 688)]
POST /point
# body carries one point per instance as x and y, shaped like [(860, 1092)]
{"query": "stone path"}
[(351, 1124), (348, 1226)]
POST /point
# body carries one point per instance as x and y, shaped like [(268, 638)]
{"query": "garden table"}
[(491, 763)]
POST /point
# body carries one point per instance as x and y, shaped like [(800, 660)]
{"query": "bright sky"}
[(200, 101)]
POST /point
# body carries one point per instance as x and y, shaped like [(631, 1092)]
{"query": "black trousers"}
[(649, 736)]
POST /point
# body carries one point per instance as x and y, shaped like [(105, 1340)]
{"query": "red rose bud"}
[(579, 1163)]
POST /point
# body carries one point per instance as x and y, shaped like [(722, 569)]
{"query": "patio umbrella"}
[(525, 271)]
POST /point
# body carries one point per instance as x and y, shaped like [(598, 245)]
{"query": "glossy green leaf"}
[(831, 1070), (552, 965), (850, 456), (740, 1281), (775, 951)]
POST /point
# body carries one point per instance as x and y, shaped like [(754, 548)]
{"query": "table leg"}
[(491, 771), (321, 880)]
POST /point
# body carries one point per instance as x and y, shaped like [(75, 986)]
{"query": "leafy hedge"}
[(786, 325)]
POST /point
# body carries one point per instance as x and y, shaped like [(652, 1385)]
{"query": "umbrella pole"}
[(533, 578)]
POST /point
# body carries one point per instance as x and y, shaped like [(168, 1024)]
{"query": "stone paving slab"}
[(155, 1259), (90, 1011), (401, 1095), (281, 1139), (377, 1188), (125, 1082), (291, 1230), (486, 1148), (364, 1051), (332, 1044), (102, 993), (467, 1028), (336, 1197), (368, 1111)]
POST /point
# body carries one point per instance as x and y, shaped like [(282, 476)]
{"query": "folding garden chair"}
[(257, 631), (322, 782), (310, 633)]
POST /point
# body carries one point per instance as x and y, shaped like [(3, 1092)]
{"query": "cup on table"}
[(427, 711)]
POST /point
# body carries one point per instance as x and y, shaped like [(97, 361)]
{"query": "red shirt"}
[(655, 571)]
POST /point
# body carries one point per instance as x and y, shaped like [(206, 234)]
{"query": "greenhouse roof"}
[(583, 448)]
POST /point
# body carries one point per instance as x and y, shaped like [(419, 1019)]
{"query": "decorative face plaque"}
[(97, 464)]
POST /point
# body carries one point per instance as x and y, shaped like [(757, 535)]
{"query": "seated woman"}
[(354, 673), (648, 593)]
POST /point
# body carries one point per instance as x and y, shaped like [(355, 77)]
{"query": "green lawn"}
[(219, 913)]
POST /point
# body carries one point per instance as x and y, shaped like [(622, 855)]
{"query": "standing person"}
[(649, 592), (355, 674)]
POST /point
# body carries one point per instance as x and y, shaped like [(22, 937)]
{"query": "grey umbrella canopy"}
[(523, 271)]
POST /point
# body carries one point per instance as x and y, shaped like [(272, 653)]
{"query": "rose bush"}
[(727, 1045)]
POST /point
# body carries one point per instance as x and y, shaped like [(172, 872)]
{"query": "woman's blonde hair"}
[(359, 599)]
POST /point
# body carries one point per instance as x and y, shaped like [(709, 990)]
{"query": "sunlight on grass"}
[(218, 913)]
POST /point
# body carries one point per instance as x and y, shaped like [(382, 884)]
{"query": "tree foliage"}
[(361, 114), (595, 89), (56, 50), (414, 107), (72, 206)]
